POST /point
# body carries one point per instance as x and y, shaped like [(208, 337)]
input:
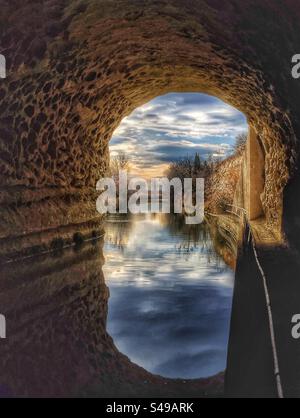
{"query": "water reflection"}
[(169, 303), (170, 295)]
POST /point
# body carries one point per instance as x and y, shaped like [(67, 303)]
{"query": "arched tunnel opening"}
[(74, 71), (156, 265)]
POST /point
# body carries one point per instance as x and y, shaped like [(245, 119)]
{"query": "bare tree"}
[(121, 161), (240, 143)]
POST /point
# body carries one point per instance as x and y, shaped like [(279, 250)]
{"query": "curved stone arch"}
[(75, 69)]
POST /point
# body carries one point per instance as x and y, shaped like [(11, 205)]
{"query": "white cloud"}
[(174, 125)]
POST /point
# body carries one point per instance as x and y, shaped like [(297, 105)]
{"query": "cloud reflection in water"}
[(170, 298)]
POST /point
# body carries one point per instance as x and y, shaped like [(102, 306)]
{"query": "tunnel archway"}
[(144, 251), (78, 72)]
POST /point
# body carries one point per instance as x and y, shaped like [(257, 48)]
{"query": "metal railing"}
[(236, 210)]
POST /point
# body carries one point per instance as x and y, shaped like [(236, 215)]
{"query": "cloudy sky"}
[(173, 126)]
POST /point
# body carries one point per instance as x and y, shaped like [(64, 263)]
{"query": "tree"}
[(240, 143), (197, 164), (191, 167), (121, 161), (181, 169)]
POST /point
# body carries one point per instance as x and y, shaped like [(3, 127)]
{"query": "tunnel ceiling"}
[(76, 68)]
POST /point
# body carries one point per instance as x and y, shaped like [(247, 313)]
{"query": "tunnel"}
[(75, 69)]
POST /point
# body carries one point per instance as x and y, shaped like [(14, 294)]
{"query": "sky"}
[(173, 126)]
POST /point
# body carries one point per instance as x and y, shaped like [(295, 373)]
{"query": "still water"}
[(170, 295)]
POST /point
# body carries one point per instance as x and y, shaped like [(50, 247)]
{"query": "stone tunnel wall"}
[(76, 68)]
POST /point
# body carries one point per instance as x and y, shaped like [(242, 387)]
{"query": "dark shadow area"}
[(57, 345)]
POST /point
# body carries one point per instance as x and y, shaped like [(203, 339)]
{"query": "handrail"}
[(271, 325), (242, 213), (267, 298)]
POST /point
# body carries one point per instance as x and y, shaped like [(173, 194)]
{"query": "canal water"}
[(170, 295)]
